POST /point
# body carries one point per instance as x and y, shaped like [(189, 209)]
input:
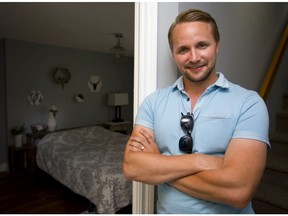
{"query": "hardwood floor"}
[(39, 193)]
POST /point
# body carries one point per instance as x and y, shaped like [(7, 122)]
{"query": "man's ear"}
[(218, 47)]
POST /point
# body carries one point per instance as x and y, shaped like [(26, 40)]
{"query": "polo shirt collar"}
[(221, 82)]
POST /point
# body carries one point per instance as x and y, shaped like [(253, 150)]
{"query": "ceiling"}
[(88, 26)]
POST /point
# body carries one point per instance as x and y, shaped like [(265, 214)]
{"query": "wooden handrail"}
[(271, 73)]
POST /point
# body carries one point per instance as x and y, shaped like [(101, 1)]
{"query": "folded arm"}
[(236, 181), (150, 167), (231, 180)]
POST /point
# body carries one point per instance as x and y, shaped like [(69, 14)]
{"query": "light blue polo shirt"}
[(223, 112)]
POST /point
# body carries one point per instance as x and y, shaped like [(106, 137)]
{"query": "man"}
[(203, 140)]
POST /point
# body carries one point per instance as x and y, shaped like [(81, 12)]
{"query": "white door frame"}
[(145, 78)]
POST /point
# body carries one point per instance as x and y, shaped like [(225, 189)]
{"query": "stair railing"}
[(272, 70)]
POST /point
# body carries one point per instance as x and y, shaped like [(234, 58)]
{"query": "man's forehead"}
[(193, 30)]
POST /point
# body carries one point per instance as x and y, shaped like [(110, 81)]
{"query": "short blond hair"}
[(193, 15)]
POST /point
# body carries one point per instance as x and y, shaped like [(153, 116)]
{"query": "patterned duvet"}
[(88, 161)]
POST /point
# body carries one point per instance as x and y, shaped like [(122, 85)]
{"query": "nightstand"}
[(21, 159), (33, 137), (121, 127), (32, 140)]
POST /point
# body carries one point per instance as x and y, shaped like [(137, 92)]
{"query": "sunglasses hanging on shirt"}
[(186, 141)]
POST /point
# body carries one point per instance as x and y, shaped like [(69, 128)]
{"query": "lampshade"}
[(118, 99)]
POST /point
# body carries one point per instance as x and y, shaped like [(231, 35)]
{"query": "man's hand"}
[(143, 161), (144, 143)]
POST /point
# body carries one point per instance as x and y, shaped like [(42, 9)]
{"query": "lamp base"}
[(117, 114), (118, 120)]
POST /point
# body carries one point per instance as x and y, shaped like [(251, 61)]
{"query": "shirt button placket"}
[(189, 105)]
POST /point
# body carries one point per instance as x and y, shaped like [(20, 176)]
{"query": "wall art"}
[(94, 83), (62, 76), (34, 97)]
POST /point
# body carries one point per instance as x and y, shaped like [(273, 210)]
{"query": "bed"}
[(88, 161)]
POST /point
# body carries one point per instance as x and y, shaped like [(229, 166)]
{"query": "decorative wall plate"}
[(94, 83), (62, 76), (34, 97), (79, 98)]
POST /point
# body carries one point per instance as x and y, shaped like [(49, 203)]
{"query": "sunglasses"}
[(186, 142)]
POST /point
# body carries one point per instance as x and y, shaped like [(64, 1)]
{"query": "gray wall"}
[(30, 66), (167, 70), (249, 35)]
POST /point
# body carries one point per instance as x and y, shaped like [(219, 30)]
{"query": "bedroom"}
[(82, 49)]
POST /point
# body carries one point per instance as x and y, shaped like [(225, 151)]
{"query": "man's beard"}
[(205, 75)]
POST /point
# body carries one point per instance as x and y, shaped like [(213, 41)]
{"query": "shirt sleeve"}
[(145, 114), (253, 122)]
